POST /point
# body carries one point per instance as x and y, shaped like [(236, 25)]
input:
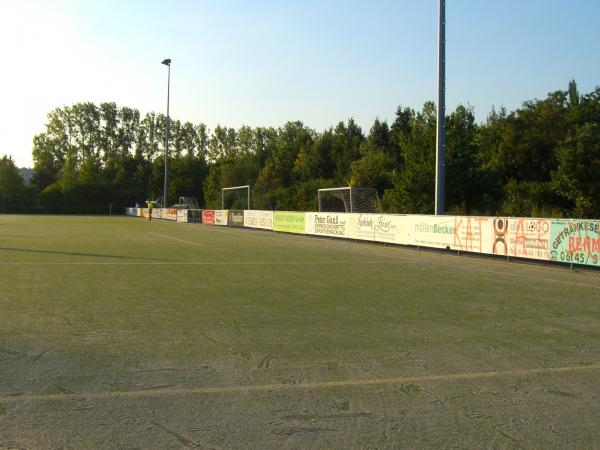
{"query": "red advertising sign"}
[(208, 216)]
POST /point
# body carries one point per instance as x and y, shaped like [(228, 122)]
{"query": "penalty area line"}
[(170, 392)]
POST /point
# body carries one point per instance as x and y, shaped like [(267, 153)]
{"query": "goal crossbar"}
[(352, 202), (247, 187)]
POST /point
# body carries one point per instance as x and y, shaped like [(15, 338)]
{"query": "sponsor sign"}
[(258, 219), (235, 218), (289, 222), (377, 227), (327, 224), (208, 216), (155, 212), (575, 241), (168, 213), (221, 217), (457, 233), (182, 215), (527, 238)]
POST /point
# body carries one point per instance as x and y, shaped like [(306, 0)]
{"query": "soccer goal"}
[(349, 199), (194, 215), (236, 197), (188, 203)]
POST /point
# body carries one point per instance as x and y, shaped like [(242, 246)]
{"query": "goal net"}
[(188, 203), (236, 197), (349, 199), (194, 215)]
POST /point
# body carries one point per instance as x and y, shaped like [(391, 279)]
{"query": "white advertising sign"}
[(525, 238), (182, 215), (378, 227), (221, 217), (471, 234), (258, 219), (327, 224)]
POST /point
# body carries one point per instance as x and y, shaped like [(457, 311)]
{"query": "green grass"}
[(93, 306)]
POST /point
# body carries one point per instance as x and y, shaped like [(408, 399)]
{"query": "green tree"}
[(12, 186)]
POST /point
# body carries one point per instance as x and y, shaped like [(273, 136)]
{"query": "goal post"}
[(349, 199), (236, 195)]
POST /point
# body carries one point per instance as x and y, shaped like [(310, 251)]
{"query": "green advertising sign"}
[(575, 241), (289, 222)]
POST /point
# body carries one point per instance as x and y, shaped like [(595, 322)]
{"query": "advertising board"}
[(235, 218), (524, 238), (327, 224), (182, 215), (221, 217), (289, 222), (168, 213), (575, 241), (452, 232), (258, 219), (377, 227), (208, 216)]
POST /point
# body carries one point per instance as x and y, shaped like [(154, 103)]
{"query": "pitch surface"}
[(119, 333)]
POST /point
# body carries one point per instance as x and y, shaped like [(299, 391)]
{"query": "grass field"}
[(119, 333)]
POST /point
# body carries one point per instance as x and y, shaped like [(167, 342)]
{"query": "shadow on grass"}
[(93, 255)]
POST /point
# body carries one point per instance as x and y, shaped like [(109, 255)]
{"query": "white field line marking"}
[(494, 272), (175, 239), (207, 263), (146, 393)]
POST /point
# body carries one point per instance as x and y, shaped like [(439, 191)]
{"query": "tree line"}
[(543, 159)]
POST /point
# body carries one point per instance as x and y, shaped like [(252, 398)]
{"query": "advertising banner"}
[(525, 238), (235, 218), (220, 217), (155, 212), (289, 222), (168, 213), (208, 216), (575, 241), (378, 227), (327, 224), (452, 232), (182, 215), (258, 219), (131, 211)]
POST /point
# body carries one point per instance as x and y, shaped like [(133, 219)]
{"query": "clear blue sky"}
[(264, 63)]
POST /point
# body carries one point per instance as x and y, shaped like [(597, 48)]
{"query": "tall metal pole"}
[(167, 62), (440, 157)]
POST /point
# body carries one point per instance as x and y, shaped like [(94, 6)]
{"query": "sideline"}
[(170, 392), (507, 273), (209, 263)]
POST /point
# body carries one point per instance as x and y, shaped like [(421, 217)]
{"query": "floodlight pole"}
[(167, 62), (440, 157)]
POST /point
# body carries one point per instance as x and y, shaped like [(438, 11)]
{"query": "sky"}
[(264, 63)]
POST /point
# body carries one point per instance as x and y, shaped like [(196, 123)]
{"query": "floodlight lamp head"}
[(166, 62)]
